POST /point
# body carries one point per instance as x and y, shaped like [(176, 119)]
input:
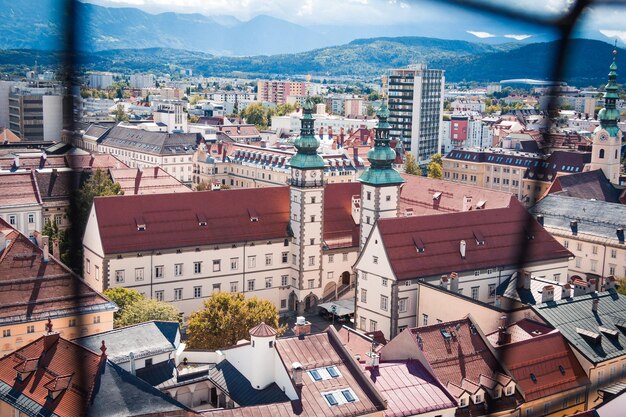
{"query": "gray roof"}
[(143, 340), (509, 288), (156, 143), (96, 131), (597, 218), (571, 314)]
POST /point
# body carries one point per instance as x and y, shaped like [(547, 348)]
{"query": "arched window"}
[(601, 153)]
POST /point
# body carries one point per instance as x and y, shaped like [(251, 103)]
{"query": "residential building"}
[(467, 104), (142, 80), (21, 205), (416, 109), (55, 186), (277, 92), (459, 356), (171, 113), (291, 123), (153, 180), (527, 175), (36, 288), (546, 371), (590, 185), (468, 252), (100, 79), (593, 325), (463, 131), (592, 230), (140, 148), (55, 377)]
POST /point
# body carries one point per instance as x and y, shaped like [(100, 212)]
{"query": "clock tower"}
[(306, 210), (607, 137)]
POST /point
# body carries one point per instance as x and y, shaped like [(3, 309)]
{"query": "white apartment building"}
[(100, 79), (142, 80), (291, 123)]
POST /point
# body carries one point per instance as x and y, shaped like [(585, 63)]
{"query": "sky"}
[(607, 21)]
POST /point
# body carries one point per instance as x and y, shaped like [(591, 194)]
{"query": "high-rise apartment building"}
[(416, 108), (278, 91)]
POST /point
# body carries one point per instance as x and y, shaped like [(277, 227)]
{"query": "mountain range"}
[(587, 62)]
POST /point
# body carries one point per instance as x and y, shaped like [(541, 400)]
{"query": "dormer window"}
[(462, 402), (509, 390)]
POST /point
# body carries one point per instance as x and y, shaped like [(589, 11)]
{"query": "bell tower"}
[(607, 137), (306, 207), (380, 183)]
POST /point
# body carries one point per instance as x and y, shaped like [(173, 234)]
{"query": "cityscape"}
[(321, 208)]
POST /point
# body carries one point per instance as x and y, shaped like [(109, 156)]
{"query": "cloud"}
[(481, 35), (619, 34), (518, 37)]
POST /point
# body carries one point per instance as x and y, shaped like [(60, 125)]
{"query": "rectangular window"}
[(476, 273), (119, 276), (364, 276), (384, 301), (178, 270), (362, 323), (197, 267), (217, 287), (283, 303), (96, 320), (311, 283), (97, 273), (234, 264), (234, 286), (348, 396), (375, 259), (594, 265), (268, 282), (138, 274), (475, 291), (331, 399), (345, 257), (268, 259), (13, 220), (579, 246), (284, 279), (88, 265), (566, 244), (31, 218), (492, 290), (373, 326), (217, 265), (72, 323), (6, 333), (252, 261), (363, 295), (594, 249), (424, 319), (197, 292), (402, 305), (385, 281), (285, 257), (311, 260), (578, 261), (178, 293), (158, 271), (613, 253), (250, 285), (331, 259), (294, 259), (58, 219), (30, 329), (158, 295)]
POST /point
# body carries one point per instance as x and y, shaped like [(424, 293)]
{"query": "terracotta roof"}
[(522, 330), (150, 180), (431, 196), (31, 289), (503, 233), (55, 184), (591, 185), (6, 135), (32, 160), (549, 358), (262, 330), (176, 222), (87, 384), (19, 189), (96, 160)]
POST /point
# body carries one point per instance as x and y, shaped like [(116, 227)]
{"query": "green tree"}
[(51, 229), (284, 109), (123, 297), (410, 165), (99, 184), (145, 310), (255, 114), (194, 99), (369, 111), (621, 286), (120, 114), (226, 318), (435, 168), (373, 96)]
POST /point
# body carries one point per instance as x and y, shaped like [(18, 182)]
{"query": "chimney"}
[(547, 294), (302, 327), (462, 248), (609, 282), (573, 224), (454, 282), (591, 286), (566, 292), (50, 338), (55, 248), (467, 203), (595, 304), (620, 235), (103, 349), (523, 280), (156, 171), (45, 247), (356, 209), (16, 161), (443, 281), (504, 336), (296, 373), (138, 179), (374, 359), (330, 132), (540, 219), (131, 355)]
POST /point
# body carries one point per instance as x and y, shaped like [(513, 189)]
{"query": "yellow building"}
[(35, 289)]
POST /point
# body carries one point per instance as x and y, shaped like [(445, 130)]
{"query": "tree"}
[(373, 96), (99, 184), (194, 99), (410, 165), (369, 111), (144, 310), (203, 186), (120, 114), (123, 297), (226, 318), (255, 114), (284, 109), (435, 168), (621, 286), (51, 229)]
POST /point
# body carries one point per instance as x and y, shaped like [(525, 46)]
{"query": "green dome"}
[(307, 144)]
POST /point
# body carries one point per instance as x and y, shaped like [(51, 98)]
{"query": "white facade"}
[(100, 79), (142, 80), (606, 154), (52, 117), (291, 123)]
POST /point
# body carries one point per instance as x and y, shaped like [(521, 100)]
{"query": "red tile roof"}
[(522, 330), (19, 188), (152, 180), (262, 330), (542, 356), (31, 289), (510, 236), (34, 161), (175, 222), (97, 160), (60, 363), (419, 194)]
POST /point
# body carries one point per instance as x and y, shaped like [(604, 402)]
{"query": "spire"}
[(381, 156), (307, 144), (609, 115)]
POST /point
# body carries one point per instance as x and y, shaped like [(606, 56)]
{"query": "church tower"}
[(380, 183), (306, 209), (607, 137)]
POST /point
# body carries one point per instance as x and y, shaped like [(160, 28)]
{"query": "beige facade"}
[(592, 254)]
